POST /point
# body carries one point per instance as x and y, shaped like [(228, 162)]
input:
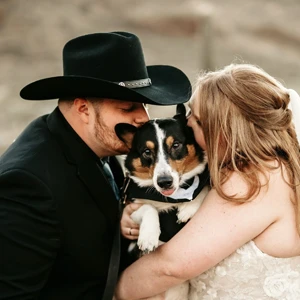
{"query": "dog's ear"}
[(180, 112), (180, 109), (125, 132)]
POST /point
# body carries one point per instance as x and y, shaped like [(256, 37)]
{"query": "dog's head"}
[(163, 152)]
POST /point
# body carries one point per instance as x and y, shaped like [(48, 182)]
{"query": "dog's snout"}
[(165, 181)]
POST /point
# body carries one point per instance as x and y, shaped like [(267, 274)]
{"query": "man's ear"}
[(125, 132), (82, 109)]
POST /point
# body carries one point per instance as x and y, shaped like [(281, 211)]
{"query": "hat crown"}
[(114, 56), (111, 65)]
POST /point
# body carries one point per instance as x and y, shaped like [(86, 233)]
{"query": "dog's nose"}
[(165, 182)]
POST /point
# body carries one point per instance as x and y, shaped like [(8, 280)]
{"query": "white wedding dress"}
[(249, 274)]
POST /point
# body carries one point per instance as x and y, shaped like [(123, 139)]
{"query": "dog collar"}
[(131, 190)]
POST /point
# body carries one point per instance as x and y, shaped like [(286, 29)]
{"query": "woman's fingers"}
[(129, 228), (131, 233)]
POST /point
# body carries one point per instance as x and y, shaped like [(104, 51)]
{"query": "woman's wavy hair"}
[(246, 123)]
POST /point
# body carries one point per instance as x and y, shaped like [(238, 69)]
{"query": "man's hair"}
[(67, 101), (70, 100), (246, 124)]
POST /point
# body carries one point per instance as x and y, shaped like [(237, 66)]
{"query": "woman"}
[(245, 238)]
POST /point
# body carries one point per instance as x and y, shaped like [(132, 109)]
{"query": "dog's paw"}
[(187, 210), (147, 246), (147, 217), (185, 214), (148, 239)]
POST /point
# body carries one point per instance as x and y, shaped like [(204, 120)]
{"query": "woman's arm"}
[(217, 230)]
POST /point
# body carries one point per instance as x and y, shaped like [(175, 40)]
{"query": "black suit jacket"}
[(58, 214)]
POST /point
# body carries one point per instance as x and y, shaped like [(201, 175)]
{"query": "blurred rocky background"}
[(192, 35)]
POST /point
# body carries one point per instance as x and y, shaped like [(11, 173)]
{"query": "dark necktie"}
[(110, 177)]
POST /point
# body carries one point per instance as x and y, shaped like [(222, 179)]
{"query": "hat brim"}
[(170, 86)]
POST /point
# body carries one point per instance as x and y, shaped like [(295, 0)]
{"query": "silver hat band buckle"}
[(133, 84)]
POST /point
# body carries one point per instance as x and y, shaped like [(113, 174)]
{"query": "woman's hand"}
[(130, 229)]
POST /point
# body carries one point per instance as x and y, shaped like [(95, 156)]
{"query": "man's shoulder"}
[(32, 147)]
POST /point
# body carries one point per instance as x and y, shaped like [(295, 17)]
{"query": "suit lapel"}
[(93, 177), (86, 161)]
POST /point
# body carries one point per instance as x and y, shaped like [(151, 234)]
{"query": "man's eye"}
[(199, 123), (128, 109)]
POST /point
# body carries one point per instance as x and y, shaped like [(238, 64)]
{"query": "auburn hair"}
[(247, 124)]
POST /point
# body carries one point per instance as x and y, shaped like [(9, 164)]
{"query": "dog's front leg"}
[(187, 210), (147, 217)]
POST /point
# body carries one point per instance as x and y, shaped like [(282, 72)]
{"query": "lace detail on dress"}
[(249, 274)]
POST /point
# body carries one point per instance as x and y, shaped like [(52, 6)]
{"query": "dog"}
[(167, 172)]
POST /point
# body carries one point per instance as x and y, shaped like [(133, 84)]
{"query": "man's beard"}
[(107, 137)]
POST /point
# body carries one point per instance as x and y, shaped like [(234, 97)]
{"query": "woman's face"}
[(195, 123)]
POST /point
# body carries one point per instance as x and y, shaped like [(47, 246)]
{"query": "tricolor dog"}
[(167, 171)]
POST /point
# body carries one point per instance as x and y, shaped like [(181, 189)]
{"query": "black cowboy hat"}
[(111, 65)]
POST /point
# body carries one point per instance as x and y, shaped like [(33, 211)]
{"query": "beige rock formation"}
[(189, 34)]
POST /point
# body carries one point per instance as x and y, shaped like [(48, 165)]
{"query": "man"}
[(59, 208)]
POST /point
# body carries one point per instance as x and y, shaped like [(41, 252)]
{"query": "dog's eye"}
[(147, 152), (176, 145)]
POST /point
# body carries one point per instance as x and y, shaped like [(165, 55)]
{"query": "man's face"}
[(105, 115)]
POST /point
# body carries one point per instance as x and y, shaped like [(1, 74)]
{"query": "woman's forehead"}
[(193, 104)]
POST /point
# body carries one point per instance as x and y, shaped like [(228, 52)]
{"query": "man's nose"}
[(142, 116)]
